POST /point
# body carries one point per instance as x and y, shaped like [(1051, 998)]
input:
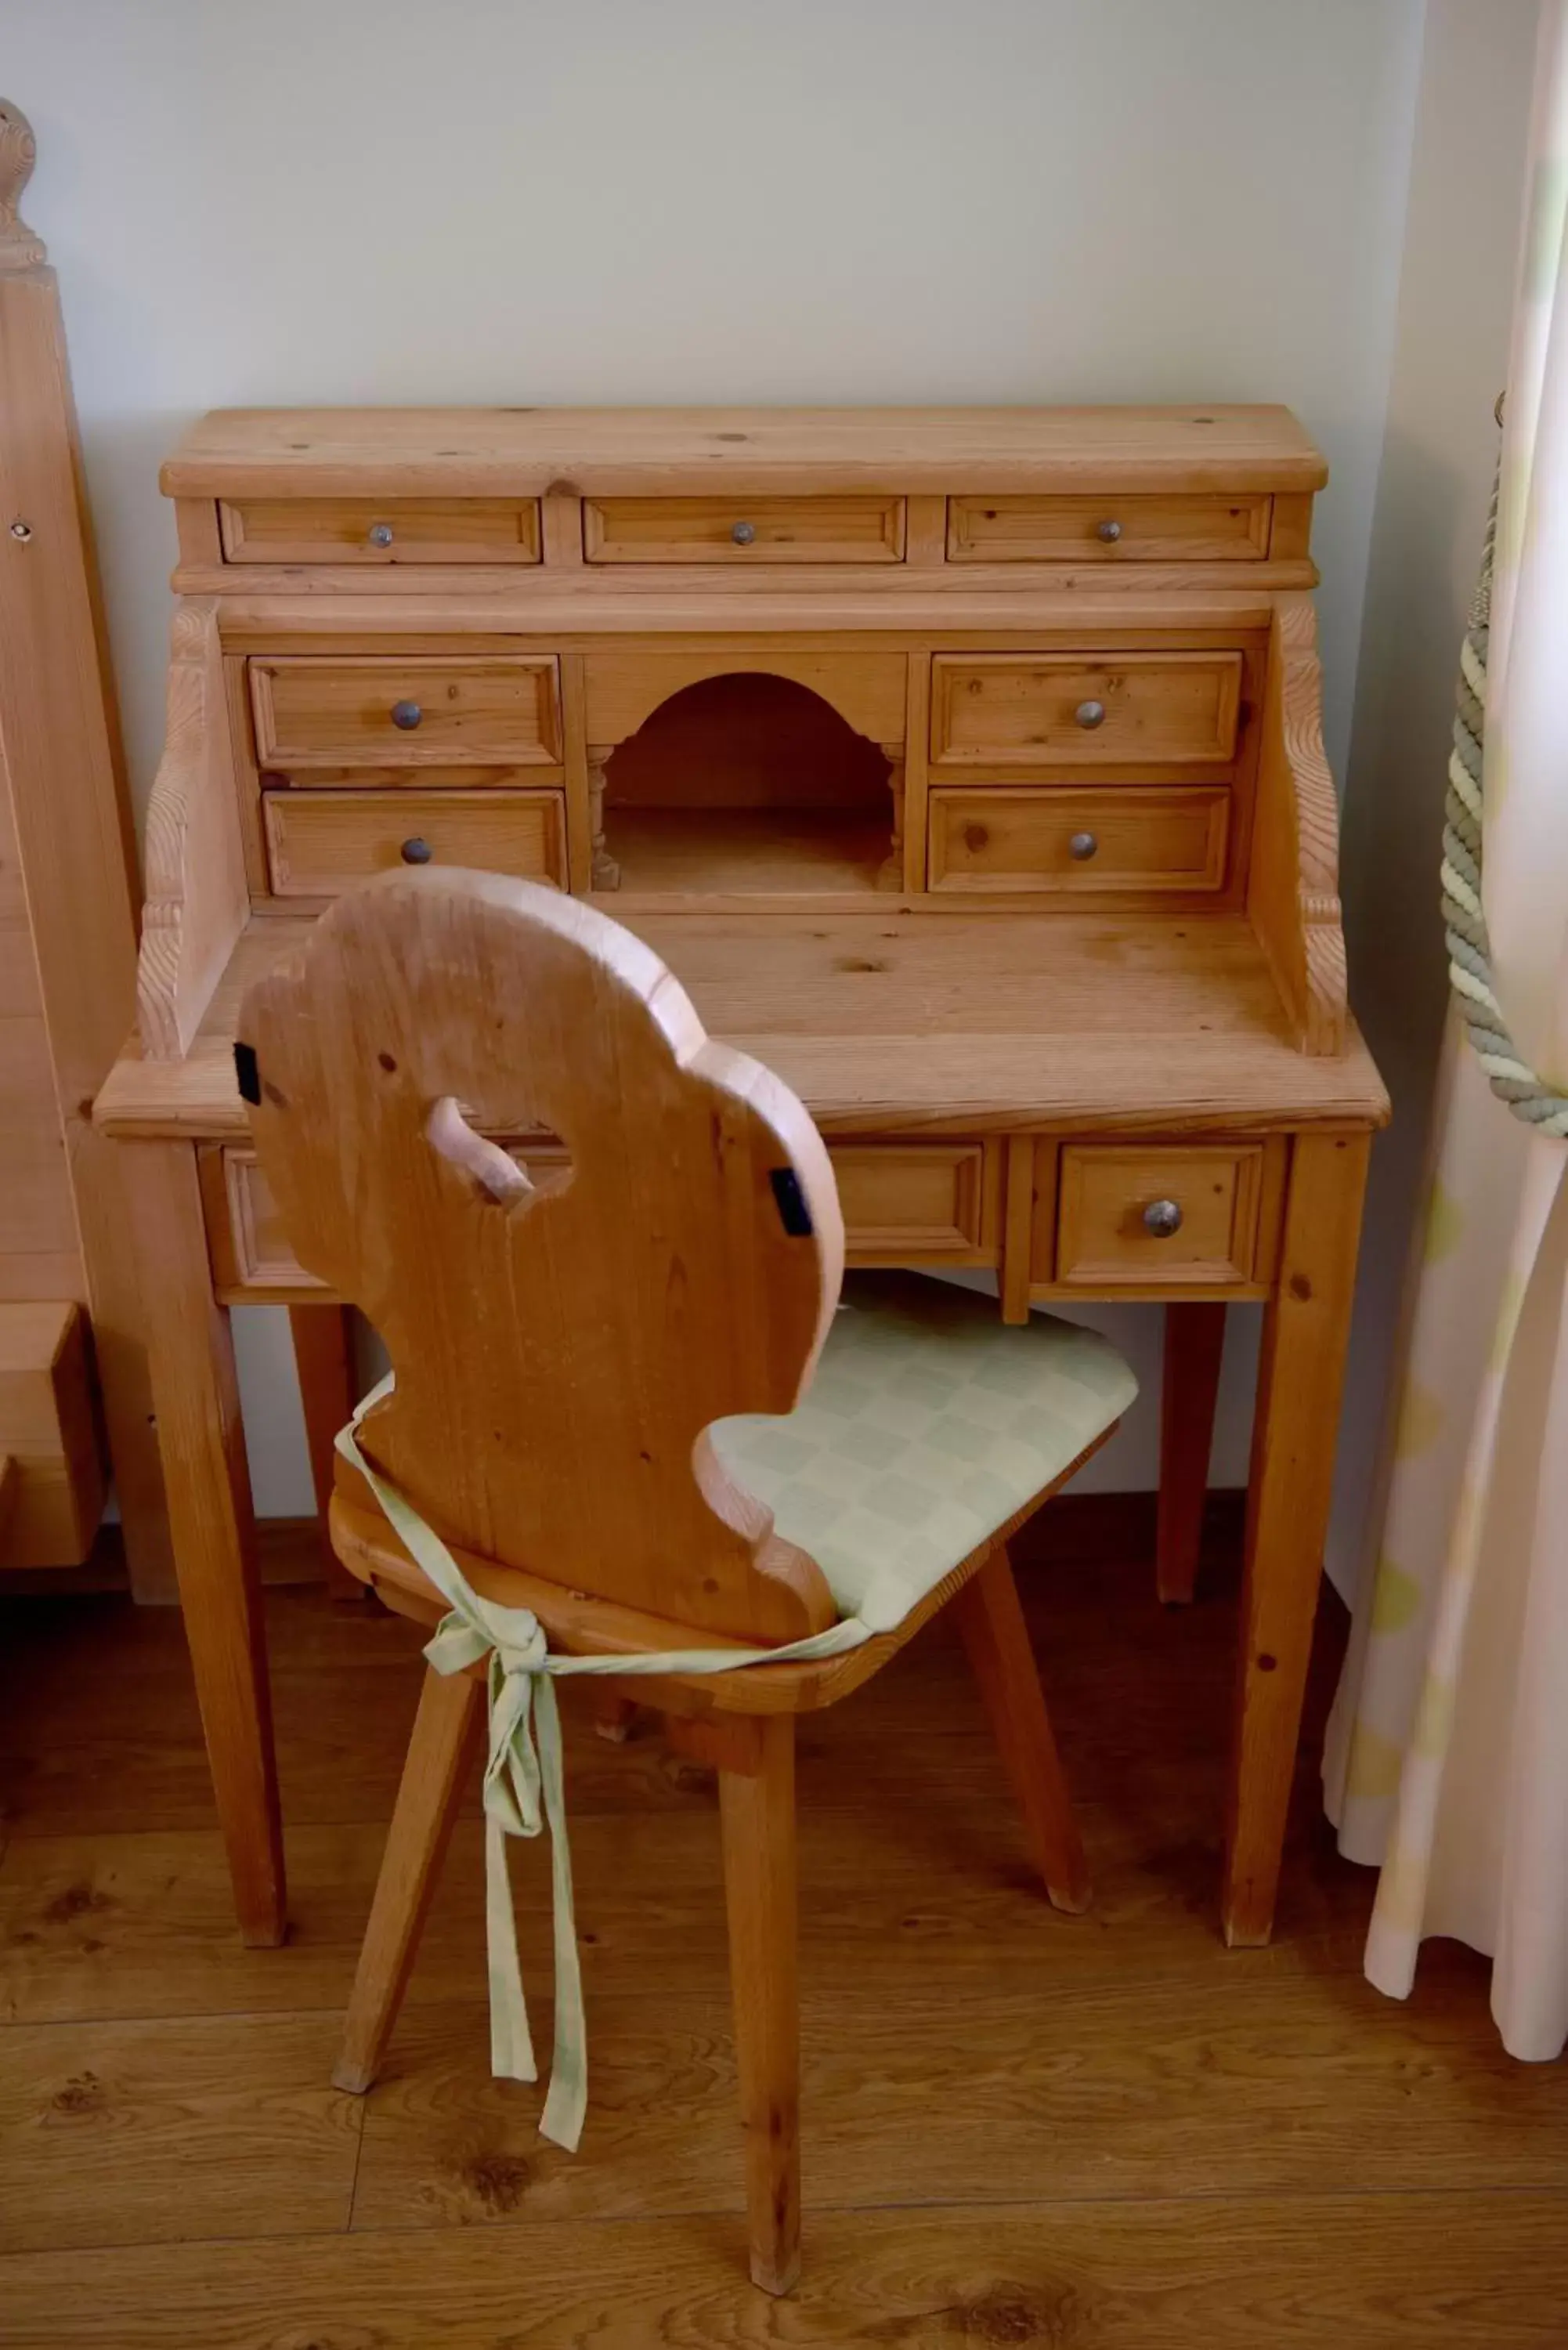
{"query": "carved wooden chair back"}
[(564, 1326)]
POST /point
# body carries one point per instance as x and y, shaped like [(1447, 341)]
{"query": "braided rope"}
[(1510, 1078)]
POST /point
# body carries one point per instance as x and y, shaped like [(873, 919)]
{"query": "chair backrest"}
[(561, 1342)]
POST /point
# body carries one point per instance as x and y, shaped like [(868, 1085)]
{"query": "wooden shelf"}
[(742, 851)]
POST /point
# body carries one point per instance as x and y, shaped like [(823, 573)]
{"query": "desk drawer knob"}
[(1161, 1218), (416, 852), (742, 532), (380, 534), (1109, 531), (1090, 713), (1083, 846), (407, 715)]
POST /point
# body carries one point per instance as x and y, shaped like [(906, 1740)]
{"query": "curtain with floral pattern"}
[(1448, 1754)]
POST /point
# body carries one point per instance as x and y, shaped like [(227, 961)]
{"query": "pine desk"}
[(966, 767)]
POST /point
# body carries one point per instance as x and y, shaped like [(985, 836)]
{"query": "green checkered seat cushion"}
[(930, 1424)]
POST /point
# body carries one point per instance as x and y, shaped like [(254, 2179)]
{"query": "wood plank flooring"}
[(1104, 2133)]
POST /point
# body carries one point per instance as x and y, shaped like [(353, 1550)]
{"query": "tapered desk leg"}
[(324, 1357), (202, 1444), (1194, 1343), (1306, 1326)]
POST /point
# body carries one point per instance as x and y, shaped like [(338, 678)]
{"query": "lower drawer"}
[(920, 1203), (904, 1203), (1127, 836), (1159, 1216), (319, 843), (248, 1244)]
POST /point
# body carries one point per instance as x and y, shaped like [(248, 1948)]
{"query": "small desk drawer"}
[(1148, 1215), (904, 1203), (743, 530), (442, 713), (245, 1239), (1079, 844), (1109, 529), (911, 1203), (394, 530), (321, 842), (1077, 710)]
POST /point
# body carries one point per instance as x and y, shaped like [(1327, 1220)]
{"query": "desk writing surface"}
[(896, 1021)]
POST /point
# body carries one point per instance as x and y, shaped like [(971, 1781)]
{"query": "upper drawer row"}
[(1139, 529), (988, 711)]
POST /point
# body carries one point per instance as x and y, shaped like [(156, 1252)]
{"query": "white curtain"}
[(1448, 1754)]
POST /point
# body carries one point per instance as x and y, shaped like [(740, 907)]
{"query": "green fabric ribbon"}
[(524, 1780)]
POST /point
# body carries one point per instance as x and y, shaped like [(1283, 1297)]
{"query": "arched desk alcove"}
[(751, 772)]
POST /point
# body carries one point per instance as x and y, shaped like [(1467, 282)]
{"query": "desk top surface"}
[(478, 452), (892, 1021)]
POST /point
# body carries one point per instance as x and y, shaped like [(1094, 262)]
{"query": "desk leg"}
[(1305, 1327), (201, 1442), (1190, 1387)]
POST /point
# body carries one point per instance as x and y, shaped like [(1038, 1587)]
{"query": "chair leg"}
[(996, 1638), (757, 1806), (324, 1357), (452, 1706)]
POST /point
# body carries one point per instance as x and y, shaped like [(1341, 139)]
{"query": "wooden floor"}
[(1103, 2133)]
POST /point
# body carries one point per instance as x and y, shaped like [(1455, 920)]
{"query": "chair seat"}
[(930, 1424)]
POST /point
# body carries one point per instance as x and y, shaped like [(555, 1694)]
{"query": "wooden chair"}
[(568, 1321)]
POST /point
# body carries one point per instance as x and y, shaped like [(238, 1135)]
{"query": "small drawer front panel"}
[(245, 1238), (1109, 529), (249, 1248), (1150, 1214), (1082, 844), (321, 842), (443, 713), (1072, 710), (743, 530), (906, 1202), (397, 530)]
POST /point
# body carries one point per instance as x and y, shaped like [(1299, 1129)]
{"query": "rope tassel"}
[(1509, 1075)]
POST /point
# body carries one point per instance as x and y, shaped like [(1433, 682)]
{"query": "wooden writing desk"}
[(1022, 875)]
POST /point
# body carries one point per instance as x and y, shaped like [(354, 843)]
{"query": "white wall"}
[(1440, 451), (597, 200)]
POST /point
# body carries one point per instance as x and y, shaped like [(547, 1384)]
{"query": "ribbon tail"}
[(566, 2103), (510, 2045)]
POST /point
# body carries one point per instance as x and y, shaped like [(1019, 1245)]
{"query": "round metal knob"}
[(407, 715), (1161, 1218), (1083, 846), (742, 532), (380, 534), (1109, 531), (416, 852), (1090, 713)]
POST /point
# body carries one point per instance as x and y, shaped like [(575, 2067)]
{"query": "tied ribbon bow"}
[(522, 1765), (524, 1780)]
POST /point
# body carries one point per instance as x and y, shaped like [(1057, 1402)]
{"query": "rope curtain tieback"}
[(1511, 1078)]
